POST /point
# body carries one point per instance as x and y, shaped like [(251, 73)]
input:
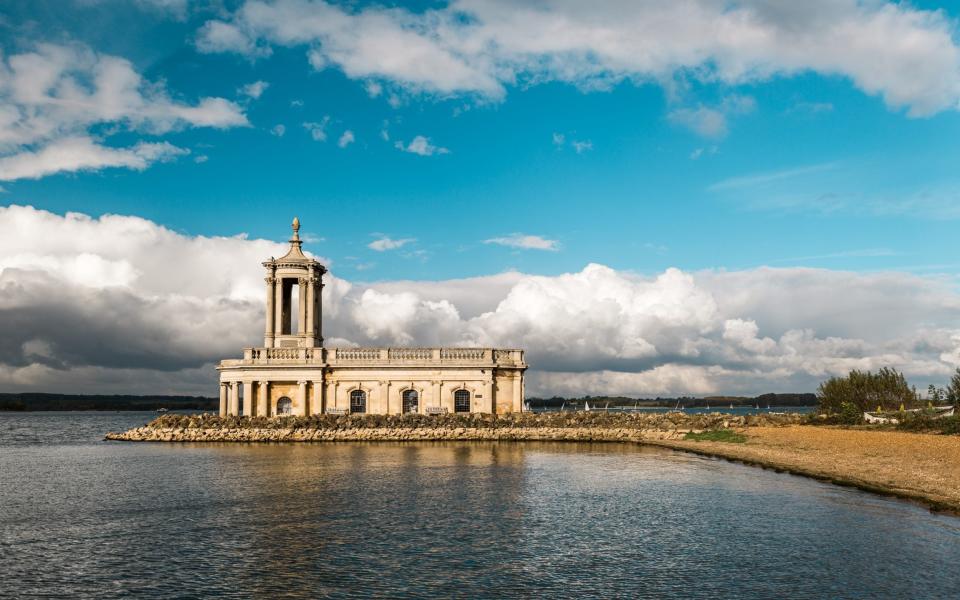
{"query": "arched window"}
[(358, 401), (461, 401), (284, 406), (410, 400)]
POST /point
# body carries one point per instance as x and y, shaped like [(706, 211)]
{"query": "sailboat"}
[(526, 406), (586, 406), (677, 407)]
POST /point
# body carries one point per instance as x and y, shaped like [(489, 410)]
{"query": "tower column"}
[(310, 305), (278, 307), (302, 308), (223, 400), (316, 404), (269, 328)]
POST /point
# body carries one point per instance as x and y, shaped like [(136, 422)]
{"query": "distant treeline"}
[(34, 401), (762, 400)]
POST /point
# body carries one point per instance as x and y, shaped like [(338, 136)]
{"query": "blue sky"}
[(770, 190), (823, 173)]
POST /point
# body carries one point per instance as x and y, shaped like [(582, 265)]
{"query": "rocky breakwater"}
[(582, 426)]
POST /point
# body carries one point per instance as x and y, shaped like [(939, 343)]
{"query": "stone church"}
[(294, 374)]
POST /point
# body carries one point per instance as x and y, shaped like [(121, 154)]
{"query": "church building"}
[(294, 374)]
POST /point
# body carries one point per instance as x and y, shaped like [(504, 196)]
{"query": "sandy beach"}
[(917, 466)]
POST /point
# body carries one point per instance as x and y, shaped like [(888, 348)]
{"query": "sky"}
[(651, 198)]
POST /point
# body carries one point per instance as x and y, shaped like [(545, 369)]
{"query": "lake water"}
[(80, 518)]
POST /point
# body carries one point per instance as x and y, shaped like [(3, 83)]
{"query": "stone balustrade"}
[(379, 356)]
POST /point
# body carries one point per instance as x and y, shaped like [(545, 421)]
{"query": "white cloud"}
[(422, 146), (121, 304), (374, 89), (278, 130), (318, 130), (70, 155), (254, 90), (52, 97), (746, 181), (526, 242), (558, 139), (712, 122), (903, 54), (201, 158), (581, 146), (384, 243), (346, 139)]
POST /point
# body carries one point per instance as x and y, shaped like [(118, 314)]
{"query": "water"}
[(84, 518)]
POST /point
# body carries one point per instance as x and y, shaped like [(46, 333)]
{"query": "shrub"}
[(865, 391)]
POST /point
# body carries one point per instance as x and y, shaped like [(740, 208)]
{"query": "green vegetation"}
[(925, 423), (717, 435), (847, 398)]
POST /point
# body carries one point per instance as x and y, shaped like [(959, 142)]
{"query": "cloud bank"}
[(52, 97), (905, 55), (121, 304)]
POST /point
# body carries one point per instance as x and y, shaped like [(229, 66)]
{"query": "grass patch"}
[(717, 435)]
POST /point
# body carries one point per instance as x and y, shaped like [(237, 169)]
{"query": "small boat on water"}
[(162, 410), (586, 406)]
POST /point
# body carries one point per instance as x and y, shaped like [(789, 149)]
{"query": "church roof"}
[(295, 255)]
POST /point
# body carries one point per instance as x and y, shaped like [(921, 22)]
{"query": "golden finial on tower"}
[(296, 226)]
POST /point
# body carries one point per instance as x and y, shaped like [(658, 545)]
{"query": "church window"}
[(461, 401), (410, 401), (358, 401), (284, 406)]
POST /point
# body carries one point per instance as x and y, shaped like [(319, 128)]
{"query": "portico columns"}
[(263, 399), (248, 399), (223, 400), (234, 409), (316, 405), (302, 398)]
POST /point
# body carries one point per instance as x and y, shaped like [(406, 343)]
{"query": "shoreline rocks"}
[(522, 427)]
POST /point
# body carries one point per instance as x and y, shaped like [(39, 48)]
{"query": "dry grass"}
[(919, 466)]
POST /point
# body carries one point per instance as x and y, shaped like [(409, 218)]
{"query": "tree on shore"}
[(953, 389), (862, 391)]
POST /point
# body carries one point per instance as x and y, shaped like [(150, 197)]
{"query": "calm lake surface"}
[(80, 517)]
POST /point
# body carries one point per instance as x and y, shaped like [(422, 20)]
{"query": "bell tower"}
[(294, 283)]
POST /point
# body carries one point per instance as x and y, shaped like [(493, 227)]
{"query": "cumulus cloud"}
[(122, 304), (712, 122), (51, 97), (903, 54), (346, 139), (422, 146), (526, 242), (278, 130), (254, 90), (385, 243), (74, 154), (318, 129)]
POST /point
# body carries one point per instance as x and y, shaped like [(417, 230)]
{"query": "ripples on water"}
[(85, 518)]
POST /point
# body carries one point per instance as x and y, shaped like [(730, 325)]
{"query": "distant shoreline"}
[(44, 402)]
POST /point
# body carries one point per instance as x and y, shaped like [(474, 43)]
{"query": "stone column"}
[(302, 306), (234, 409), (316, 404), (263, 403), (331, 399), (269, 327), (436, 400), (277, 307), (302, 399), (309, 312), (248, 399), (488, 404), (223, 400)]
